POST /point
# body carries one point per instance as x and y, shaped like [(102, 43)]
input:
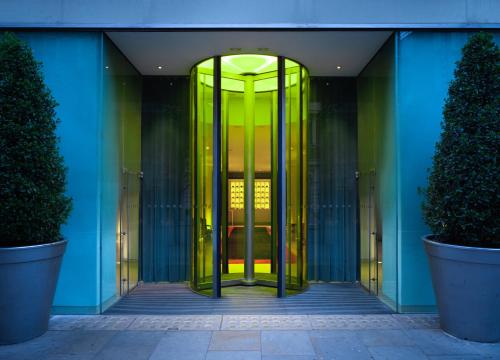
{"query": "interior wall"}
[(120, 137), (332, 194), (377, 168), (166, 202)]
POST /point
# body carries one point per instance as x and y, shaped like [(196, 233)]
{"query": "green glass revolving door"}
[(242, 105)]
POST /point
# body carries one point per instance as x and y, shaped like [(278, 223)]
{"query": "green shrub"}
[(33, 204), (462, 200)]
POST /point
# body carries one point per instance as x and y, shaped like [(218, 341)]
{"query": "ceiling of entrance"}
[(324, 53)]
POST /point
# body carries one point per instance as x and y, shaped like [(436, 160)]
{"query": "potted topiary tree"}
[(33, 204), (462, 200)]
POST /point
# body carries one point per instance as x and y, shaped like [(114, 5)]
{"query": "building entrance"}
[(249, 121)]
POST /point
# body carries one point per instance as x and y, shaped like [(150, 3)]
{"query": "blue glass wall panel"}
[(99, 107), (72, 71), (426, 61)]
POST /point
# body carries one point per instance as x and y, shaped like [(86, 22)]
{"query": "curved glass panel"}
[(295, 79), (249, 116), (202, 132)]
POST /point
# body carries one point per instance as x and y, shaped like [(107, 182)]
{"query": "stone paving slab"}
[(266, 322), (418, 321), (90, 322), (265, 337), (242, 322), (172, 322), (353, 322)]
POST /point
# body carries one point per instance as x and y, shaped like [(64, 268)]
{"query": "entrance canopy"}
[(324, 53)]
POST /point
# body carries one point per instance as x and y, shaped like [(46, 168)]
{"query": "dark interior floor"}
[(177, 299)]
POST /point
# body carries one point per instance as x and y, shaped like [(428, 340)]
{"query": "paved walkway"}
[(237, 337)]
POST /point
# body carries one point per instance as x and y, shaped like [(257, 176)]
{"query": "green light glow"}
[(253, 64)]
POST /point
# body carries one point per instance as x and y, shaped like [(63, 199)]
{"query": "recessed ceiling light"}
[(159, 67), (339, 67)]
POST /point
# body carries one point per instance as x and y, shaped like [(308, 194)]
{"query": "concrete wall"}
[(250, 14)]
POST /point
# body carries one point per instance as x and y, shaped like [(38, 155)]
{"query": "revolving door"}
[(249, 122)]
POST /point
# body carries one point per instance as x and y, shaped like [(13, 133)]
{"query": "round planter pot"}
[(466, 282), (28, 277)]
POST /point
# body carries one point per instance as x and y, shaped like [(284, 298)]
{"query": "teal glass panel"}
[(377, 183), (71, 67), (426, 62), (120, 174)]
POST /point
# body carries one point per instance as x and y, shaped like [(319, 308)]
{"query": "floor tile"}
[(290, 357), (176, 322), (83, 342), (90, 322), (41, 347), (233, 355), (240, 322), (131, 345), (462, 357), (353, 322), (266, 322), (185, 345), (396, 353), (286, 343), (339, 344), (384, 338), (436, 342), (488, 349), (235, 340), (418, 321)]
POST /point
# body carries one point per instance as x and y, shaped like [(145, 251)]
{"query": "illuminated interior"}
[(249, 113)]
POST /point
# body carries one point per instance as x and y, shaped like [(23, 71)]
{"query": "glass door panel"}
[(128, 247), (202, 184), (295, 242)]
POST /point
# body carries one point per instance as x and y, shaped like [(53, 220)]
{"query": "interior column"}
[(249, 177)]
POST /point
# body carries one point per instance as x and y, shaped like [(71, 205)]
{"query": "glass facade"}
[(248, 157), (115, 115)]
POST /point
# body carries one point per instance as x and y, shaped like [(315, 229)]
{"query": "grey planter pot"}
[(28, 277), (466, 282)]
